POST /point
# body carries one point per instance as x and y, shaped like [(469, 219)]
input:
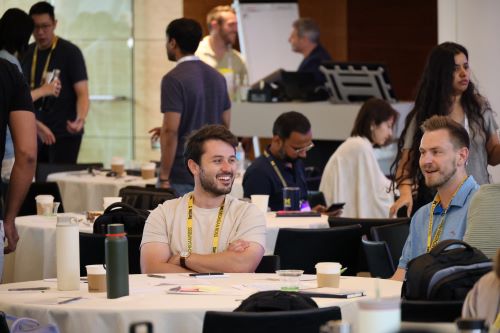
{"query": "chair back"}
[(378, 258), (45, 169), (29, 205), (268, 264), (316, 198), (92, 252), (146, 197), (431, 311), (395, 236), (303, 248), (365, 223), (298, 321)]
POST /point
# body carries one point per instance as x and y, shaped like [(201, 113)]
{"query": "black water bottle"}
[(116, 248)]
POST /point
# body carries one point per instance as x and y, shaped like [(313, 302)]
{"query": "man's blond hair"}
[(215, 14)]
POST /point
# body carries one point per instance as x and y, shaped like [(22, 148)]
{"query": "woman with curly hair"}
[(445, 89)]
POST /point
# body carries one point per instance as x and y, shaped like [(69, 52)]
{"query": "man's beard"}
[(287, 159), (210, 185), (444, 179)]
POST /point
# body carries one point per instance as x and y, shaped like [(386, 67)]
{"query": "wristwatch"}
[(183, 257)]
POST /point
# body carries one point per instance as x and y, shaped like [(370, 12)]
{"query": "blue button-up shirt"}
[(454, 225)]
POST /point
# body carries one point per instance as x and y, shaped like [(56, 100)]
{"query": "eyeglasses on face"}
[(44, 26), (303, 149)]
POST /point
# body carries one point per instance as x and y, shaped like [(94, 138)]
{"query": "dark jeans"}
[(64, 151)]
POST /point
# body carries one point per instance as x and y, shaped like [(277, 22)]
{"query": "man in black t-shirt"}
[(63, 117), (16, 110)]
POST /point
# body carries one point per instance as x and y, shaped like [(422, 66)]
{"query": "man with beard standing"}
[(444, 150), (216, 49), (281, 165), (206, 230), (192, 94)]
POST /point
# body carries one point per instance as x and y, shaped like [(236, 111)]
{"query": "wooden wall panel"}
[(398, 33)]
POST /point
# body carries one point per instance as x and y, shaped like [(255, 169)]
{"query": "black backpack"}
[(132, 218), (444, 274), (276, 300)]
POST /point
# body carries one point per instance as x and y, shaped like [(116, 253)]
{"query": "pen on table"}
[(206, 274), (30, 289), (66, 301), (156, 276)]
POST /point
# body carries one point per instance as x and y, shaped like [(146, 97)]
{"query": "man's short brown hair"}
[(195, 142), (215, 14), (458, 134)]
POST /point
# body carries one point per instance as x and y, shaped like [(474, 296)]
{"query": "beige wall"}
[(150, 64)]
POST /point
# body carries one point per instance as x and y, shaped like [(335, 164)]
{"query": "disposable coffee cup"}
[(110, 200), (148, 170), (328, 274), (291, 198), (261, 201), (118, 165), (379, 315), (96, 278), (44, 204)]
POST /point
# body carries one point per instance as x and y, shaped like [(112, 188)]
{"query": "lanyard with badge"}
[(218, 225), (432, 242), (275, 167), (45, 67)]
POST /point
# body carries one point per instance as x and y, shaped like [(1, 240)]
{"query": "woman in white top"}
[(353, 175)]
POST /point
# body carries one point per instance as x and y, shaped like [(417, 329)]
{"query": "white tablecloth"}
[(35, 258), (81, 191), (149, 301)]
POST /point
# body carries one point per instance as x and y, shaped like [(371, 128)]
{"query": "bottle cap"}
[(116, 229)]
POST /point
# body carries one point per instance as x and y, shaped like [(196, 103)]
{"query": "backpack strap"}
[(124, 207), (443, 245)]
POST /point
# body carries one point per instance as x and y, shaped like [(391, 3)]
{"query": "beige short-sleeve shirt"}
[(168, 224)]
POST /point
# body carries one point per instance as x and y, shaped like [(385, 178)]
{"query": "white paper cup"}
[(261, 201), (148, 170), (118, 165), (109, 200), (328, 274), (379, 315), (96, 278), (44, 204)]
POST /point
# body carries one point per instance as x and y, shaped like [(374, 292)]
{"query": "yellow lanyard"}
[(218, 224), (431, 242), (45, 67), (275, 167)]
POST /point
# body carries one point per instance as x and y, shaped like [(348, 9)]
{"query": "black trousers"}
[(64, 151)]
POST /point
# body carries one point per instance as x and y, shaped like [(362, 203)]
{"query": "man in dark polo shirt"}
[(16, 110), (61, 119), (281, 164), (192, 94), (304, 39)]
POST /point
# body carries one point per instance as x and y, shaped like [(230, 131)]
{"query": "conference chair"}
[(303, 248), (268, 264), (92, 252), (365, 223), (297, 321), (147, 198), (431, 311), (394, 235), (29, 205), (378, 257), (45, 169), (316, 198)]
